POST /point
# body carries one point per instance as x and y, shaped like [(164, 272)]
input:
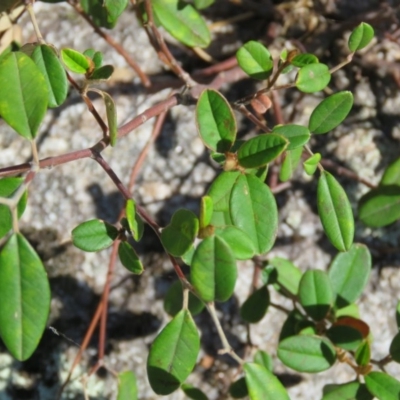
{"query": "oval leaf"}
[(94, 235), (304, 59), (102, 73), (75, 61), (215, 121), (23, 94), (287, 275), (213, 271), (111, 112), (311, 164), (255, 60), (360, 37), (260, 150), (135, 223), (313, 78), (193, 393), (391, 176), (349, 274), (335, 212), (264, 359), (330, 112), (345, 337), (383, 386), (127, 386), (395, 348), (241, 245), (24, 297), (305, 353), (363, 353), (255, 306), (129, 258), (348, 391), (296, 134), (206, 211), (290, 163), (173, 354), (104, 12)]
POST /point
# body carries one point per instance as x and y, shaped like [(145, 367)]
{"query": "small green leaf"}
[(296, 134), (345, 337), (380, 207), (348, 391), (94, 235), (135, 223), (331, 112), (349, 274), (383, 386), (255, 60), (213, 270), (363, 353), (311, 164), (360, 37), (315, 294), (182, 21), (291, 324), (102, 73), (127, 386), (290, 163), (264, 359), (206, 211), (313, 78), (335, 212), (104, 12), (7, 188), (75, 61), (129, 258), (262, 384), (288, 276), (395, 348), (173, 301), (304, 59), (305, 353), (98, 60), (53, 71), (238, 389), (241, 245), (200, 4), (89, 53), (215, 121), (23, 94), (24, 297), (391, 176), (261, 150), (255, 306), (173, 354), (179, 235), (193, 393)]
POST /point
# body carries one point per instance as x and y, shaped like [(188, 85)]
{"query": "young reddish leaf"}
[(263, 384), (56, 79), (351, 390), (330, 112), (391, 176), (255, 60), (24, 297), (360, 37), (383, 386), (261, 103), (354, 323), (127, 386), (135, 223), (193, 393), (296, 134), (129, 258), (313, 78), (305, 353), (290, 163), (335, 212), (255, 306), (261, 150), (311, 164), (184, 23), (173, 354), (179, 235), (94, 235), (213, 270), (215, 121), (23, 94)]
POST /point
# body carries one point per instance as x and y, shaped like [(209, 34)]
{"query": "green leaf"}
[(363, 353), (262, 384), (221, 189), (349, 274), (241, 245), (94, 235), (288, 276), (215, 121), (395, 348), (253, 209), (238, 389), (129, 258), (383, 386), (173, 301), (291, 324), (391, 176), (261, 149), (206, 211), (305, 353), (398, 315), (345, 337), (7, 188), (264, 359), (255, 306), (98, 61), (102, 73), (290, 163), (111, 117), (182, 21), (193, 393), (127, 386), (331, 112), (255, 60), (315, 294), (104, 13), (75, 61), (179, 235), (348, 391), (349, 311), (360, 37), (54, 74), (24, 297), (89, 53), (173, 354), (380, 207), (200, 4), (313, 78), (335, 212), (23, 94), (301, 60), (311, 164), (135, 223), (296, 134), (213, 271)]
